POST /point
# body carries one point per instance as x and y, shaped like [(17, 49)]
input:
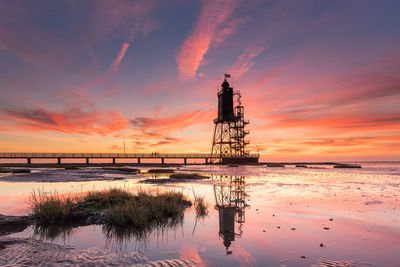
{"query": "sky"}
[(320, 80)]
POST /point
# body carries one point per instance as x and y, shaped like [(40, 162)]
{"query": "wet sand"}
[(31, 252), (288, 214)]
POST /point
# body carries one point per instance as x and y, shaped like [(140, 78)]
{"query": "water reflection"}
[(230, 199), (51, 233), (120, 237), (117, 237)]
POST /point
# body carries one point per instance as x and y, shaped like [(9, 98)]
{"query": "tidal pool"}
[(258, 216)]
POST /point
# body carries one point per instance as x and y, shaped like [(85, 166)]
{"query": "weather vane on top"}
[(227, 75)]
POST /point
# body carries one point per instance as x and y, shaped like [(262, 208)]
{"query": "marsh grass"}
[(145, 209), (121, 208), (100, 200), (51, 208)]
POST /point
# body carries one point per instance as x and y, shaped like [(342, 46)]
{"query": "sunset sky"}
[(320, 80)]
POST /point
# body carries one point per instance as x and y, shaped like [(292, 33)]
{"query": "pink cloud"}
[(245, 61), (121, 54), (212, 28)]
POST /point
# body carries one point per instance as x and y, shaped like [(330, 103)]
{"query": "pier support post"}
[(29, 160), (59, 161), (87, 160), (206, 161), (162, 161), (138, 160), (184, 161), (113, 160)]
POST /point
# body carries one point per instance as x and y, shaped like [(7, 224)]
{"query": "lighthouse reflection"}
[(230, 201)]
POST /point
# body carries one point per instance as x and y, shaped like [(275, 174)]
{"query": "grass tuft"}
[(51, 209), (122, 208), (146, 209)]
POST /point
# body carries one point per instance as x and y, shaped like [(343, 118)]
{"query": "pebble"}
[(293, 229), (321, 245), (326, 228), (279, 227), (264, 231), (331, 219), (303, 257)]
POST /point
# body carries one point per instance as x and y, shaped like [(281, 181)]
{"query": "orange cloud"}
[(212, 28), (72, 120), (173, 123), (158, 131)]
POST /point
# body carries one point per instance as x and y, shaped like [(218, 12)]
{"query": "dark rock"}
[(326, 228), (279, 227), (293, 229), (331, 219), (303, 257), (321, 245), (14, 224)]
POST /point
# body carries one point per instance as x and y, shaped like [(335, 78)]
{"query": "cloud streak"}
[(120, 56), (213, 27)]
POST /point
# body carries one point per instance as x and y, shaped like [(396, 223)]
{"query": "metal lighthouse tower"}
[(229, 143)]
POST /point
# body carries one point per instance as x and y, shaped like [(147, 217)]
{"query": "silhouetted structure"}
[(230, 201), (229, 144)]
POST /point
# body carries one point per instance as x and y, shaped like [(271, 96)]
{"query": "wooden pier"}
[(112, 156)]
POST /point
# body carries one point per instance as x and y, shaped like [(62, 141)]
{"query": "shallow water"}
[(258, 216)]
